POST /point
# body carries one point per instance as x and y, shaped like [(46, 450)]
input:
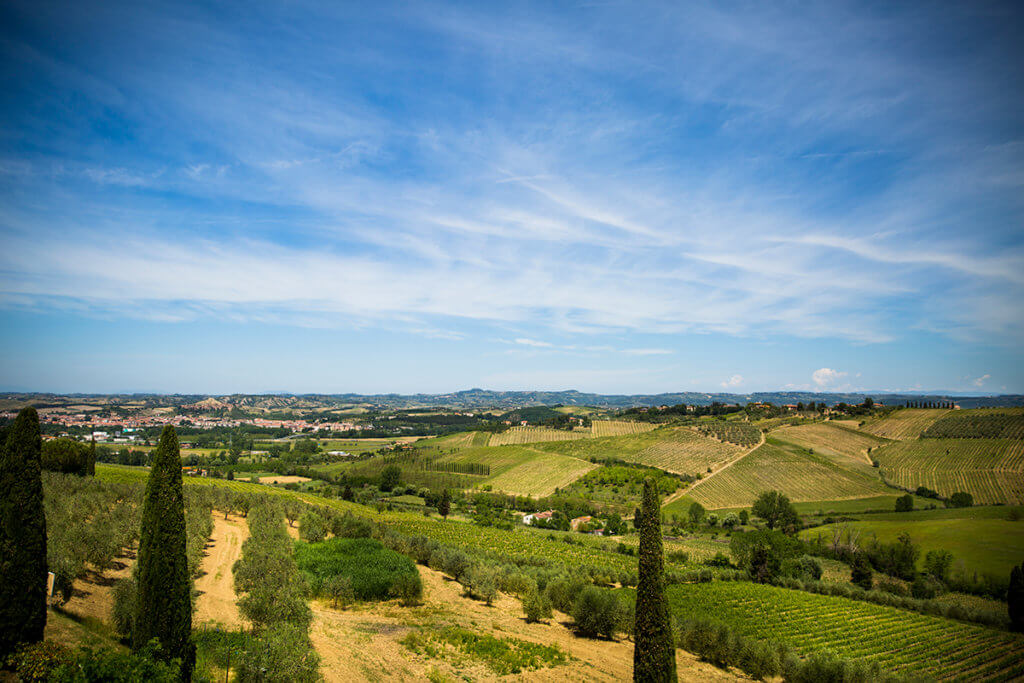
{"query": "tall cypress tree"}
[(164, 607), (654, 652), (1015, 598), (23, 570)]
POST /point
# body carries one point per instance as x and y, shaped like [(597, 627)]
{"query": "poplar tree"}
[(164, 607), (23, 571), (654, 652)]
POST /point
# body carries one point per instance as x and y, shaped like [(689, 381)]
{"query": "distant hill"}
[(485, 398)]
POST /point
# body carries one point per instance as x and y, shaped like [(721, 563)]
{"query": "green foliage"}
[(536, 605), (281, 653), (67, 456), (444, 503), (905, 503), (164, 601), (125, 607), (312, 527), (696, 513), (961, 499), (860, 571), (148, 664), (761, 552), (339, 589), (372, 568), (350, 526), (925, 587), (503, 656), (937, 563), (716, 643), (37, 662), (482, 583), (654, 656), (22, 535), (805, 568), (597, 612), (776, 511), (977, 425), (390, 477)]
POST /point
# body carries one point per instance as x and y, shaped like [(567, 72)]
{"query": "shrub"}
[(805, 568), (89, 665), (350, 526), (562, 593), (371, 567), (339, 589), (925, 587), (281, 653), (536, 605), (312, 527), (38, 661), (892, 587), (596, 612), (861, 574), (482, 583), (124, 607)]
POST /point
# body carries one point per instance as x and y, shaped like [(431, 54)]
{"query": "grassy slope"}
[(988, 546), (992, 470), (907, 423), (523, 470), (842, 445), (674, 449), (777, 466)]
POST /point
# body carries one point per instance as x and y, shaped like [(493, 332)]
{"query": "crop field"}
[(801, 476), (520, 435), (907, 423), (740, 433), (991, 470), (910, 643), (843, 446), (599, 428), (454, 442), (673, 449), (978, 424), (986, 546), (523, 470)]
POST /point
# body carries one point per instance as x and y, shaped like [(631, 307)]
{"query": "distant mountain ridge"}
[(485, 398)]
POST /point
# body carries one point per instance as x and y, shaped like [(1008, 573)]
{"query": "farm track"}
[(216, 582), (685, 491)]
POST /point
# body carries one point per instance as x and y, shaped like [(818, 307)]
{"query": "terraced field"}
[(673, 449), (906, 642), (991, 470), (520, 435), (800, 475), (599, 428), (842, 445), (907, 423)]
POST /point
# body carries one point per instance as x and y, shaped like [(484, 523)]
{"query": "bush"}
[(124, 607), (339, 589), (482, 583), (312, 527), (892, 587), (562, 593), (925, 587), (90, 665), (861, 574), (38, 661), (805, 568), (536, 605), (372, 568), (281, 653), (350, 526), (596, 612)]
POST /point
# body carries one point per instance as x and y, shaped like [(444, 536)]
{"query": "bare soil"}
[(216, 583)]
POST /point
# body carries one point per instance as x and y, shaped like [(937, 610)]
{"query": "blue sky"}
[(613, 197)]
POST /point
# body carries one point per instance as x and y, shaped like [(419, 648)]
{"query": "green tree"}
[(444, 504), (164, 588), (744, 517), (1015, 598), (905, 503), (861, 574), (390, 477), (776, 511), (961, 499), (696, 513), (654, 655), (22, 535), (937, 563)]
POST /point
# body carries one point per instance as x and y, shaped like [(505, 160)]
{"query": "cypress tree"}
[(23, 571), (1015, 598), (164, 607), (90, 468), (444, 505), (654, 652)]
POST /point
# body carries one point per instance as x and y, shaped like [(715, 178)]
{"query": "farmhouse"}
[(579, 521), (528, 519)]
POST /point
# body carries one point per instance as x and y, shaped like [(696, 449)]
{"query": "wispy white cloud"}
[(733, 382), (824, 378)]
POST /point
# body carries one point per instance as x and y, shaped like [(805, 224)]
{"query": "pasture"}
[(991, 470)]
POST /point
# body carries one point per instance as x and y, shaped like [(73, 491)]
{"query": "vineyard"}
[(599, 428), (673, 449), (801, 476), (907, 423), (521, 470), (520, 435), (906, 642), (978, 425), (740, 433), (842, 445), (991, 470)]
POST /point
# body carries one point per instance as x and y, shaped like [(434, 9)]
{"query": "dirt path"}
[(216, 582), (93, 595), (685, 491), (364, 642)]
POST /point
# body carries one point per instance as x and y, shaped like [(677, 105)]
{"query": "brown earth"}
[(216, 582)]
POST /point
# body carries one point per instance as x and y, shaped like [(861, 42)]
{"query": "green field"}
[(906, 423), (906, 642), (992, 470), (674, 449), (778, 466), (844, 446), (523, 470), (986, 546)]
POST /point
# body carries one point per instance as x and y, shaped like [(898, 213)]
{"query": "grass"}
[(674, 449), (906, 642), (842, 445), (522, 470), (991, 470), (907, 423), (986, 546), (372, 568), (778, 466), (503, 656), (618, 489)]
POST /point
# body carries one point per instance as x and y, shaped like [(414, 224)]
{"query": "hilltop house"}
[(529, 519)]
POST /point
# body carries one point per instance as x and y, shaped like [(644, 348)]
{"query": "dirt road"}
[(216, 584)]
